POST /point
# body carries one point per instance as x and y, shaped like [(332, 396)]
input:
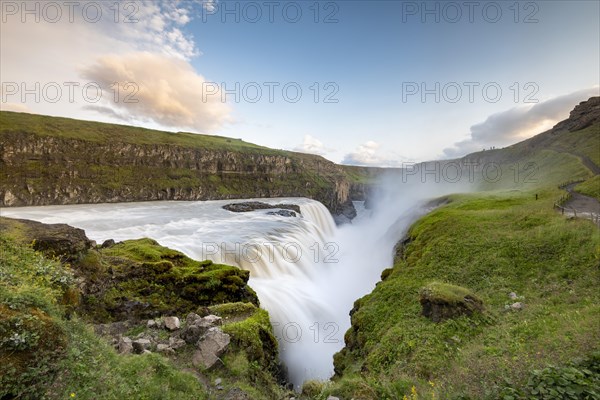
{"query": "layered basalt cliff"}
[(48, 160)]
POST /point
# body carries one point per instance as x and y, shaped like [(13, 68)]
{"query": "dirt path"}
[(581, 206)]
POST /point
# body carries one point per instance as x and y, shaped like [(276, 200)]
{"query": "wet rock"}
[(172, 323), (247, 206), (210, 347), (283, 213)]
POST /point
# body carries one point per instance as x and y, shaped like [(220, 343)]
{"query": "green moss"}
[(141, 279), (254, 334), (446, 293)]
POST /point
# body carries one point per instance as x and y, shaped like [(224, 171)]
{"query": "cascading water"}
[(306, 271)]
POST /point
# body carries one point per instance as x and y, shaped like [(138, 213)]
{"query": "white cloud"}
[(369, 154), (312, 145), (519, 123), (76, 51), (163, 89), (14, 107)]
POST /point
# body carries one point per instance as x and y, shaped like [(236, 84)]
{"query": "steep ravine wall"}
[(46, 170)]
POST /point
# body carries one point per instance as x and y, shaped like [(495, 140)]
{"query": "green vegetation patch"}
[(138, 279), (493, 244), (590, 187)]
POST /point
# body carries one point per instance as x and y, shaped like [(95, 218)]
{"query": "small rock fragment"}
[(172, 323)]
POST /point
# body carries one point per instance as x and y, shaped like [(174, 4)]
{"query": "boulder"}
[(442, 301), (163, 348), (56, 240), (175, 343), (107, 243), (196, 326), (124, 345), (210, 347), (172, 323), (213, 320), (247, 206), (192, 318), (140, 345)]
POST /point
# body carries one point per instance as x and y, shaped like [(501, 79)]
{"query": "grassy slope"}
[(590, 187), (493, 243), (113, 177), (52, 349), (48, 351), (102, 133)]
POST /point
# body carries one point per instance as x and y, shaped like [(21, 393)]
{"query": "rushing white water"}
[(306, 271)]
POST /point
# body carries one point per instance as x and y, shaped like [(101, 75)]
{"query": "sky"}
[(376, 83)]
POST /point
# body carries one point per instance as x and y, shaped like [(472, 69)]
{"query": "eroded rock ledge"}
[(248, 206)]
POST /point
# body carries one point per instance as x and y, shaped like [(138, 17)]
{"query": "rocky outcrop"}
[(442, 301), (583, 115), (54, 240), (135, 279), (247, 206), (51, 166)]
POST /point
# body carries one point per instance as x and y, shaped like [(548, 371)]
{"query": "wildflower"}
[(431, 383), (72, 394)]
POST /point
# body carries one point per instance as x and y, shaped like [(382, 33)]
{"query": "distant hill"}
[(49, 160), (568, 151)]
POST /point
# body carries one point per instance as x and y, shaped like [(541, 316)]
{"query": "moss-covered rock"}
[(441, 301), (134, 279), (138, 279), (53, 240)]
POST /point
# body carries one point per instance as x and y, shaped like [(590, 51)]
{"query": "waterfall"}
[(306, 271)]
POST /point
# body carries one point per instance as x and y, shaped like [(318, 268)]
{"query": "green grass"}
[(491, 244), (590, 187), (68, 128), (45, 355)]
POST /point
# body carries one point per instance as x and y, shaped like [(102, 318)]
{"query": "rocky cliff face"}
[(49, 169)]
